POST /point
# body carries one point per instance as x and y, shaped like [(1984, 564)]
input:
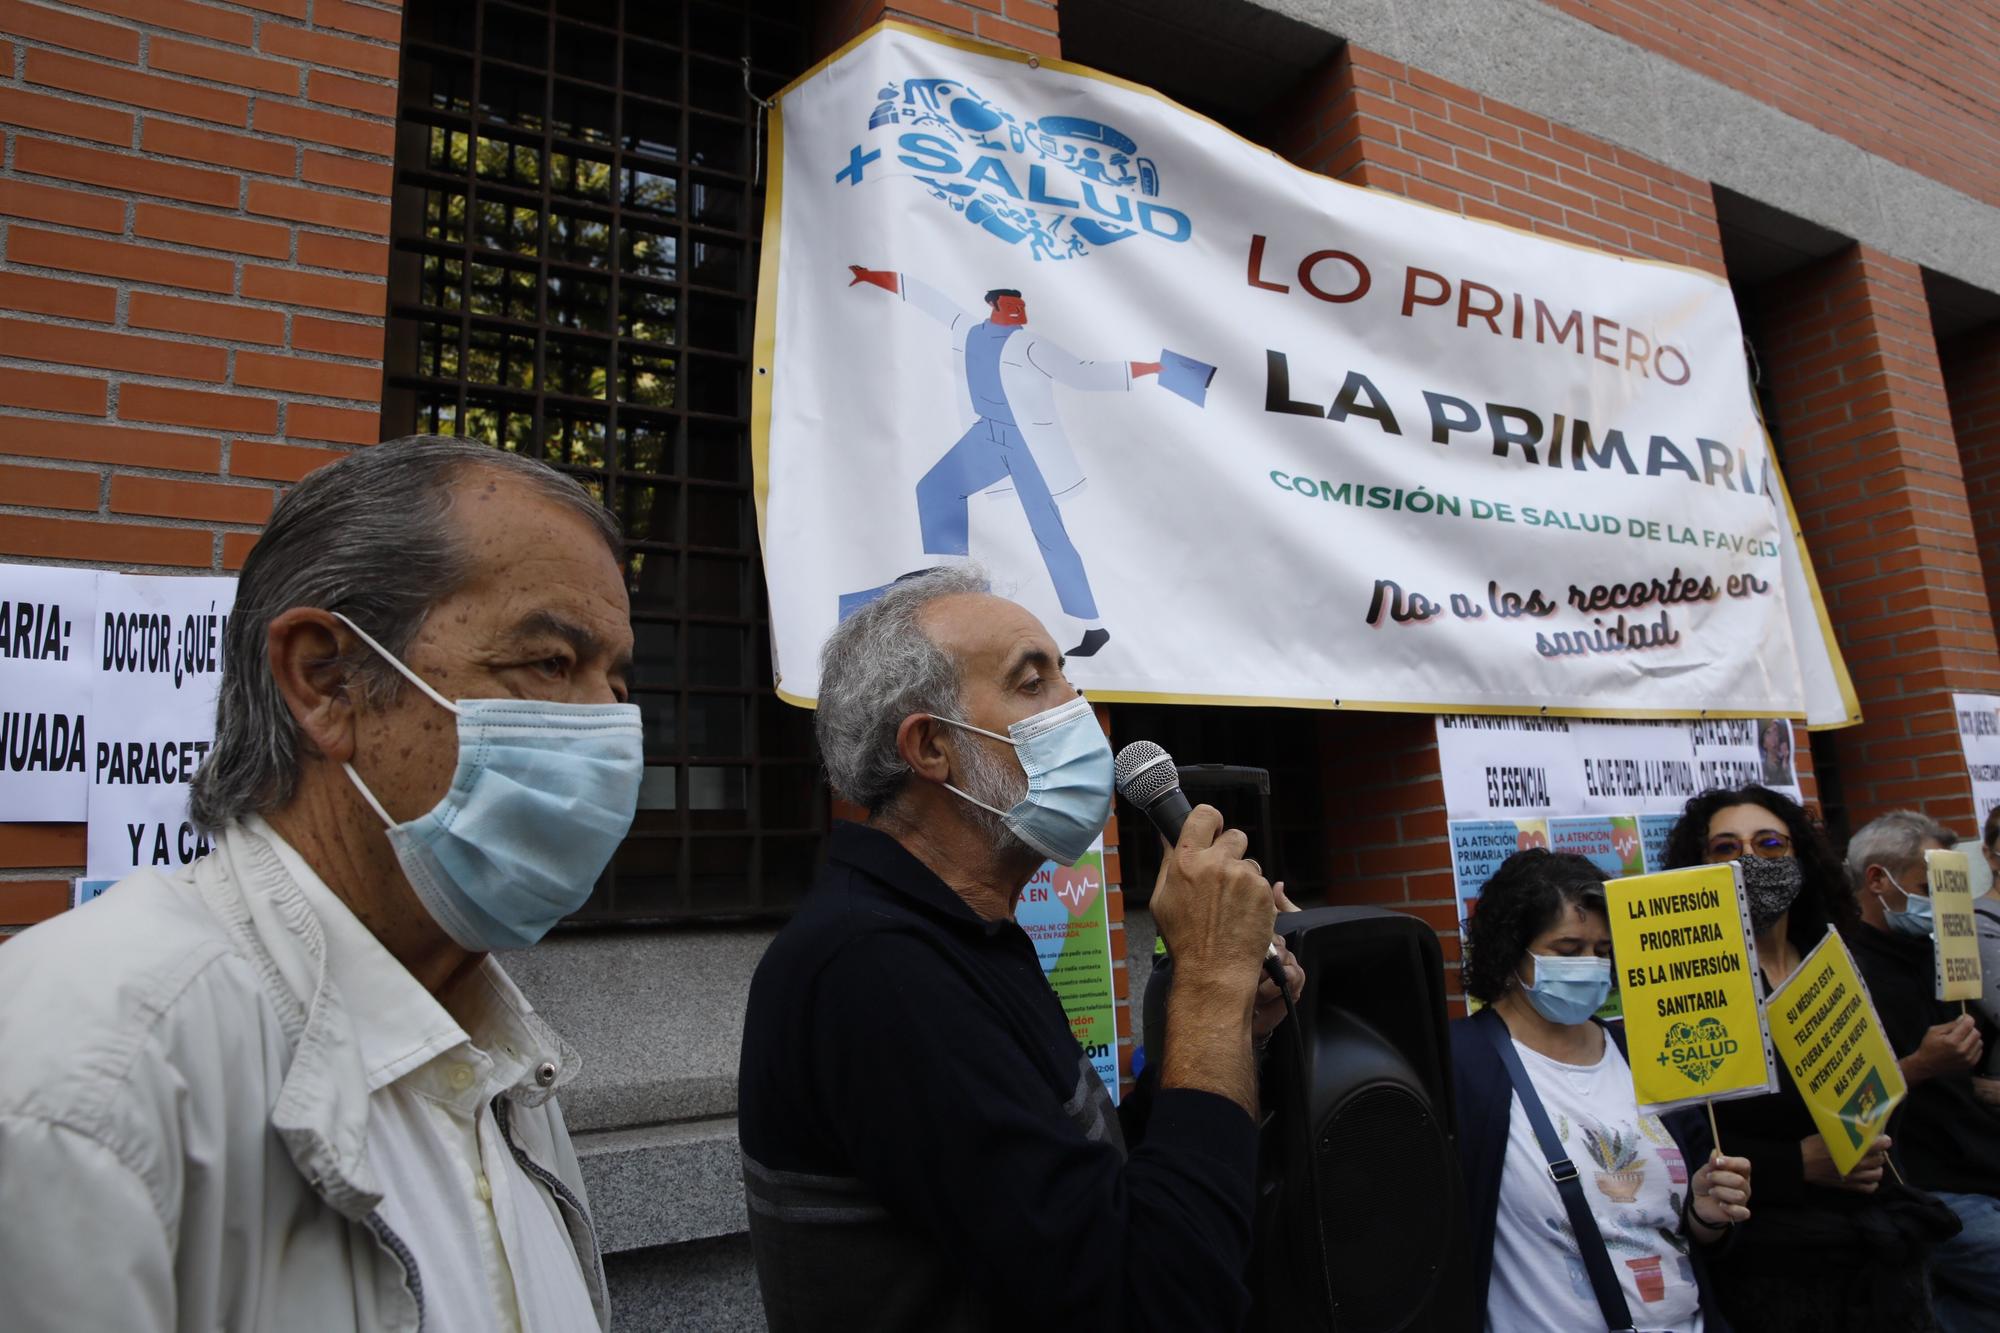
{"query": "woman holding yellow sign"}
[(1826, 1251), (1583, 1213)]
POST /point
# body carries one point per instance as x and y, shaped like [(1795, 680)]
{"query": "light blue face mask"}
[(543, 795), (1568, 990), (1915, 918), (1068, 762)]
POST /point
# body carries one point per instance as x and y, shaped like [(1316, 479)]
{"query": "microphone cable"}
[(1302, 1110)]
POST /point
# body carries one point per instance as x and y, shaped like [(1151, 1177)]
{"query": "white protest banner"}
[(152, 718), (1609, 790), (1238, 432), (1979, 738), (1504, 766), (46, 640)]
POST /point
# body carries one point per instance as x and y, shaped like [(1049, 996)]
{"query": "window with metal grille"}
[(573, 278)]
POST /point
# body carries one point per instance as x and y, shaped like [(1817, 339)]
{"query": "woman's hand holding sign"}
[(1721, 1194), (1864, 1179)]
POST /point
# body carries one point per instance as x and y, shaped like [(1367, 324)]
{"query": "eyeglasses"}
[(1767, 843)]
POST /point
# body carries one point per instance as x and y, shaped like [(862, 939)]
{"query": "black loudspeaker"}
[(1360, 1224)]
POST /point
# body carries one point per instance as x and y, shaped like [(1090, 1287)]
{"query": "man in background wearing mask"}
[(286, 1087), (925, 1146), (1946, 1141)]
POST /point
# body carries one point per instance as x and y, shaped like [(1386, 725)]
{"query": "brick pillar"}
[(1387, 844), (1026, 25), (1376, 122), (1865, 434), (194, 217), (1972, 383)]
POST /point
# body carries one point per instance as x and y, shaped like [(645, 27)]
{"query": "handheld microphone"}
[(1146, 776)]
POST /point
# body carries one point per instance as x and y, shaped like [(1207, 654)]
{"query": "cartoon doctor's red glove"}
[(887, 279)]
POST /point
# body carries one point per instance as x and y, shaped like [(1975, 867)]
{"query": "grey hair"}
[(877, 668), (1895, 841), (368, 536)]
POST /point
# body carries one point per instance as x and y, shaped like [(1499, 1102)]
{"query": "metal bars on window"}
[(573, 279)]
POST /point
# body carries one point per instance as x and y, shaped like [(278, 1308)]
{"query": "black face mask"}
[(1771, 884)]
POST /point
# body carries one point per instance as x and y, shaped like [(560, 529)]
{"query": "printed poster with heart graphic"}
[(1609, 842), (1067, 915), (1687, 965)]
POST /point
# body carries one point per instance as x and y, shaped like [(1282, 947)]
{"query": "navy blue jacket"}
[(1485, 1097), (926, 1147)]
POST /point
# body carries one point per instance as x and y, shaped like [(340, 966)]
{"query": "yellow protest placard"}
[(1680, 942), (1825, 1029), (1952, 928)]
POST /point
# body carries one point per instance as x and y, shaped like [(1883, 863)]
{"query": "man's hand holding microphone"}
[(1215, 909)]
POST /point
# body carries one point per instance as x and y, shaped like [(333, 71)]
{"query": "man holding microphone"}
[(924, 1143)]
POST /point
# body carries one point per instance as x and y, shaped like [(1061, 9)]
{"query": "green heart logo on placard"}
[(1698, 1049)]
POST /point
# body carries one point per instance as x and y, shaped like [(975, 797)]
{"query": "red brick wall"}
[(1026, 25), (1913, 81), (1972, 384), (193, 237), (1385, 821), (1386, 125), (1866, 435)]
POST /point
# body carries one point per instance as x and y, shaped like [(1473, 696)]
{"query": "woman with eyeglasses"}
[(1824, 1252)]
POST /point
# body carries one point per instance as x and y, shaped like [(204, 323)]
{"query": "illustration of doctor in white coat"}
[(1009, 375)]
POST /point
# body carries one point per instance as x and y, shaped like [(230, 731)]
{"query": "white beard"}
[(996, 782)]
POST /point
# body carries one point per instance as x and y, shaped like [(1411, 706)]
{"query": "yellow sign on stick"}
[(1687, 966), (1957, 938), (1825, 1029)]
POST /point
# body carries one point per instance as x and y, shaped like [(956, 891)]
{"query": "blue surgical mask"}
[(1915, 918), (542, 796), (1568, 990), (1068, 762)]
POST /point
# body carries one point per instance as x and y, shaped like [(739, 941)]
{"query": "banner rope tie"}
[(757, 126)]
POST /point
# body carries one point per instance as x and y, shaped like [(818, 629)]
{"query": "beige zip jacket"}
[(183, 1116)]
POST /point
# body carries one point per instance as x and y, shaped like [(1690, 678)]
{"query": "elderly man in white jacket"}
[(287, 1088)]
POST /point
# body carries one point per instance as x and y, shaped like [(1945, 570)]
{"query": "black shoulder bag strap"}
[(1589, 1241)]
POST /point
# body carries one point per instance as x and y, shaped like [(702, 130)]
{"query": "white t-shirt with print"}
[(1635, 1180)]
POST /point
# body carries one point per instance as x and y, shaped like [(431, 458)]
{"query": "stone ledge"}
[(656, 1014), (664, 1184)]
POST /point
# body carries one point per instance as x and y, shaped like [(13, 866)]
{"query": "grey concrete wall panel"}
[(657, 1016), (663, 1184), (1536, 58), (707, 1286)]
